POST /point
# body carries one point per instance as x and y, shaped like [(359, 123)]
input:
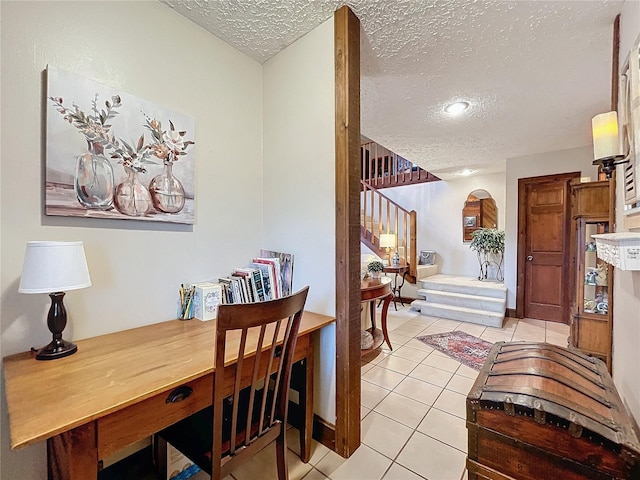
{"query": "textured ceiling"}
[(535, 72)]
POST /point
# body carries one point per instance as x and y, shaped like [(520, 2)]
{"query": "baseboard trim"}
[(324, 432), (511, 313)]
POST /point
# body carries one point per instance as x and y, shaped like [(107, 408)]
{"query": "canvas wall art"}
[(110, 154)]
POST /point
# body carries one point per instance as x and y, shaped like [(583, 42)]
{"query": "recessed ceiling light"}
[(466, 172), (456, 108)]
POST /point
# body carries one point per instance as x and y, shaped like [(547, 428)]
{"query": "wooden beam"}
[(347, 124), (615, 63)]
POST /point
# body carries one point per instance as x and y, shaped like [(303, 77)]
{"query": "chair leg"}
[(281, 455)]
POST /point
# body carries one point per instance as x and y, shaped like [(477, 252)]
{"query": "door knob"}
[(529, 257)]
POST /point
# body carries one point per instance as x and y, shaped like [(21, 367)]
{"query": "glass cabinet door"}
[(595, 272)]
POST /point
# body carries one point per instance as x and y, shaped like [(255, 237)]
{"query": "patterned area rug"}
[(467, 349)]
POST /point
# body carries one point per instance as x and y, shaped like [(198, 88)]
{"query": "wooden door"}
[(543, 290)]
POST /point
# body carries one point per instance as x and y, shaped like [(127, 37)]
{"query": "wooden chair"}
[(248, 412)]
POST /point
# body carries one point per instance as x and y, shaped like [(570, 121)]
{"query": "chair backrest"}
[(262, 336)]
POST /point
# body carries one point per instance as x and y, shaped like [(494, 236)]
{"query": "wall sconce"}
[(51, 267), (388, 241), (606, 143)]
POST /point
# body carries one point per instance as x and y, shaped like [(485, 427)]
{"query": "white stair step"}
[(465, 285), (479, 302), (461, 314)]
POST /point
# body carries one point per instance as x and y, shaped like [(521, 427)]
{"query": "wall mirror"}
[(479, 212)]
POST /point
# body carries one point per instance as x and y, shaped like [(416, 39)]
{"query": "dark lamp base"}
[(56, 349)]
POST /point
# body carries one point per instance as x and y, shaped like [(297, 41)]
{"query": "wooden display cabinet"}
[(591, 322)]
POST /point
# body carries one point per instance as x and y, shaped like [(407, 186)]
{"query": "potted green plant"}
[(375, 268), (489, 246)]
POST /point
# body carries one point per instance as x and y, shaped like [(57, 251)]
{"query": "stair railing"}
[(383, 168), (380, 214)]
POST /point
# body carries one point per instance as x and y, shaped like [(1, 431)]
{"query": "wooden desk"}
[(370, 291), (113, 392)]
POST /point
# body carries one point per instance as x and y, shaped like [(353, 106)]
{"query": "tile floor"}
[(413, 407)]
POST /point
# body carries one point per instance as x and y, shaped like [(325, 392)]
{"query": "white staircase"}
[(464, 299)]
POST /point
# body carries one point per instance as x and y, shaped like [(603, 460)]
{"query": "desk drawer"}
[(141, 420)]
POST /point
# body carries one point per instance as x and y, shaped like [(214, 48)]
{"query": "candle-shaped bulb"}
[(605, 135)]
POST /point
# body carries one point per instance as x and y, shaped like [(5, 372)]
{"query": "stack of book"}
[(265, 278), (261, 280)]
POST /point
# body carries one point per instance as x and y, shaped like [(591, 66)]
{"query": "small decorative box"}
[(206, 298)]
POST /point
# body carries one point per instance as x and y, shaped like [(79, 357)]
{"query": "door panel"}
[(545, 261)]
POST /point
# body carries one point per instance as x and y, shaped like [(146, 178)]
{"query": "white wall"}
[(549, 163), (147, 50), (299, 180), (438, 207), (626, 286)]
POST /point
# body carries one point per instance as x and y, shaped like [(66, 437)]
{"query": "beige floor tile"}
[(365, 367), (449, 324), (529, 336), (496, 336), (398, 472), (557, 327), (472, 329), (398, 341), (443, 362), (431, 459), (509, 324), (398, 364), (418, 345), (410, 353), (263, 466), (426, 320), (557, 338), (383, 377), (371, 394), (460, 384), (364, 464), (402, 409), (453, 403), (395, 322), (364, 411), (416, 389), (446, 428), (409, 329), (433, 329), (527, 327), (374, 357), (532, 321), (318, 450), (383, 434), (467, 372), (315, 475), (430, 374)]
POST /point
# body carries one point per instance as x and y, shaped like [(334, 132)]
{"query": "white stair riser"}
[(490, 304), (484, 291), (490, 319)]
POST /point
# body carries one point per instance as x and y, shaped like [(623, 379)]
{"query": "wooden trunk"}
[(542, 412)]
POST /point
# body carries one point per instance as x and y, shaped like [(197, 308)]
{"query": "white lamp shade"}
[(387, 240), (606, 142), (54, 267)]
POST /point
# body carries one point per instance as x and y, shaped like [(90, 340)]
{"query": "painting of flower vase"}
[(113, 155)]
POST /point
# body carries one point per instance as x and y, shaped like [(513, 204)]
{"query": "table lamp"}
[(388, 241), (51, 267)]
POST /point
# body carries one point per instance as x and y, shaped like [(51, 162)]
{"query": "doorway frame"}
[(521, 255)]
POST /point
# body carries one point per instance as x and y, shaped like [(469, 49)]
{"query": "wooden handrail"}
[(380, 215), (383, 168)]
